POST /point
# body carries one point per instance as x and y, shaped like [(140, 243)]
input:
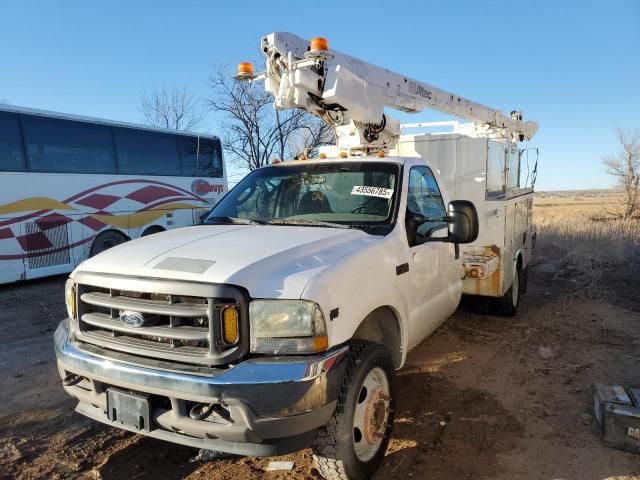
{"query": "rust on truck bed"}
[(482, 271)]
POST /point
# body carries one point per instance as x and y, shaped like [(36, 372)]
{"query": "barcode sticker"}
[(372, 191)]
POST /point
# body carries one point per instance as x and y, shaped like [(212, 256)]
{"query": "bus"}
[(71, 187)]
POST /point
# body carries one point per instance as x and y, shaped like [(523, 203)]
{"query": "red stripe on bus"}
[(11, 221), (48, 252), (122, 182), (39, 213)]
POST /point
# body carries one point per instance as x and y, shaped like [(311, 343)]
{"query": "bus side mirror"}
[(463, 221)]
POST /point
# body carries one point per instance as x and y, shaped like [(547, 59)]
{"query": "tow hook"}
[(200, 411), (71, 380)]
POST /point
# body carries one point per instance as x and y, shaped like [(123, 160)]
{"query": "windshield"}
[(347, 194)]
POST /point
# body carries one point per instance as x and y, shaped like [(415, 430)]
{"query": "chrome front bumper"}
[(273, 404)]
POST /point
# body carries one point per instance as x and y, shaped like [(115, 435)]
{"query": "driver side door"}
[(435, 282)]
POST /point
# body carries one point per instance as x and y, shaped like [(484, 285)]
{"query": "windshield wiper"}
[(306, 222), (232, 221)]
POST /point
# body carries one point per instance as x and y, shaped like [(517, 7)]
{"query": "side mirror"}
[(463, 222), (203, 216), (412, 222)]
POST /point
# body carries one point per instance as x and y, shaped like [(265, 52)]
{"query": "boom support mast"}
[(351, 94)]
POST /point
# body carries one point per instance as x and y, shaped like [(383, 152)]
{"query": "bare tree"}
[(313, 133), (254, 132), (624, 167), (171, 108)]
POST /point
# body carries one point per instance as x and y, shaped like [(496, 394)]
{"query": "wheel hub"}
[(371, 414), (375, 416)]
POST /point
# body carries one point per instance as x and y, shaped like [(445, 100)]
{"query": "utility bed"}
[(498, 178)]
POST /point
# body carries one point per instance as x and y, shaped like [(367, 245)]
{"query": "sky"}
[(574, 67)]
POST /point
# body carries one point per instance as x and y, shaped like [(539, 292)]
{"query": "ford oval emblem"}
[(132, 319)]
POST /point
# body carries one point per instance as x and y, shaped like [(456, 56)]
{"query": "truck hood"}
[(270, 261)]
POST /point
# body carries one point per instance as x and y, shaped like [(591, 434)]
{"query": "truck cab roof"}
[(368, 158)]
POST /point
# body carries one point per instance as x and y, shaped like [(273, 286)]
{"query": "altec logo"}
[(419, 90), (202, 187)]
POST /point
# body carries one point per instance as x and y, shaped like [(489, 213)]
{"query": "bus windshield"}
[(339, 194)]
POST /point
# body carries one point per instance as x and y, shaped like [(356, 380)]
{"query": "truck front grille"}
[(162, 319)]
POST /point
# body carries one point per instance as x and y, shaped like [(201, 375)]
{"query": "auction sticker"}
[(372, 191)]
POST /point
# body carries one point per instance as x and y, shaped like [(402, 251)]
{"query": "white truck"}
[(278, 322)]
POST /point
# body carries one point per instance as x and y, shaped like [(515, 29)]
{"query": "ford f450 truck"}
[(278, 323)]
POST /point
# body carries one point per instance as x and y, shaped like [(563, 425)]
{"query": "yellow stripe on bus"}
[(139, 219), (34, 203)]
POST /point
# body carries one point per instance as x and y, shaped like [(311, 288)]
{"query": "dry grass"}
[(576, 236)]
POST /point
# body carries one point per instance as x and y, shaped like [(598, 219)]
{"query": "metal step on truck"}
[(279, 322)]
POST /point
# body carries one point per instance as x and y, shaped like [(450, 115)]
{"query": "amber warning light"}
[(319, 44), (245, 71)]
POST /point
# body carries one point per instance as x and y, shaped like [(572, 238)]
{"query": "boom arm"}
[(351, 94)]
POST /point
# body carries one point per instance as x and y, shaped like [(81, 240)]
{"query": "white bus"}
[(71, 187)]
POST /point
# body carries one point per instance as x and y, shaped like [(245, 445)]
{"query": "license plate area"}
[(129, 409)]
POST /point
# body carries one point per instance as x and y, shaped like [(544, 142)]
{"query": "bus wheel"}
[(151, 230), (105, 241), (352, 444)]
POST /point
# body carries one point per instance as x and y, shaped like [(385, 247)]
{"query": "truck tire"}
[(507, 306), (105, 241), (353, 443)]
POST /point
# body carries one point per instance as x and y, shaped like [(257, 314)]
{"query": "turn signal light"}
[(319, 44), (320, 344), (230, 325), (245, 70), (344, 154)]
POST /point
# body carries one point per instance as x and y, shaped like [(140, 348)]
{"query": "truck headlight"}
[(287, 326), (70, 298)]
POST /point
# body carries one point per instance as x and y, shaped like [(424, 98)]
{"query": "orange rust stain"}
[(490, 286)]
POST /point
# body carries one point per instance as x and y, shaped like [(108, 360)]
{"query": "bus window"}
[(142, 152), (66, 146), (210, 159), (11, 151), (188, 148)]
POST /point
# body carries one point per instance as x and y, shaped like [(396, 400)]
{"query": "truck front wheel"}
[(352, 445)]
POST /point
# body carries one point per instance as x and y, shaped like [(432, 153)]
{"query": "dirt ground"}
[(482, 398)]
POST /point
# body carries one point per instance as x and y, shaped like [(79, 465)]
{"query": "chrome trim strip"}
[(145, 306), (102, 320)]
